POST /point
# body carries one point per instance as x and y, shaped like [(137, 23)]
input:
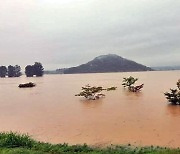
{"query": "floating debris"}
[(27, 85)]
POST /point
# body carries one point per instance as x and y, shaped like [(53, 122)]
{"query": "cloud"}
[(62, 33)]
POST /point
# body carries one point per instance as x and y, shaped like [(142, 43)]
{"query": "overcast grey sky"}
[(63, 33)]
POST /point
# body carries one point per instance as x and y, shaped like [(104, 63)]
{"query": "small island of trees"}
[(15, 71), (10, 71), (36, 69)]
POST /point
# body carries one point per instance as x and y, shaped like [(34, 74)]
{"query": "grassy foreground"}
[(12, 143)]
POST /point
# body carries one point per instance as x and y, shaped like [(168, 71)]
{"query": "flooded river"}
[(50, 111)]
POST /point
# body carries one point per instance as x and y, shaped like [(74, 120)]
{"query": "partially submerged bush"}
[(111, 88), (174, 95), (91, 93), (178, 84), (129, 83)]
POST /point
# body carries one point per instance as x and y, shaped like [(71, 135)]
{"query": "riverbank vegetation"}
[(12, 143)]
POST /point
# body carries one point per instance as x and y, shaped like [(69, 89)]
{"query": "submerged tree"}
[(91, 93), (17, 72), (174, 95), (178, 84), (111, 88), (11, 71), (36, 69), (129, 83), (3, 71), (14, 71), (29, 71)]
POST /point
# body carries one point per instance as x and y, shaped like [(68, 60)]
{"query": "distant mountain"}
[(106, 63), (166, 68)]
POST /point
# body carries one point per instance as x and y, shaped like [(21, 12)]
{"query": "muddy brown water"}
[(50, 112)]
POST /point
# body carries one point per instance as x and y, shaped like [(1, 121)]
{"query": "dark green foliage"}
[(3, 71), (94, 92), (12, 140), (11, 71), (129, 83), (14, 71), (174, 95), (12, 143), (36, 69), (91, 92), (178, 84), (17, 71), (29, 71)]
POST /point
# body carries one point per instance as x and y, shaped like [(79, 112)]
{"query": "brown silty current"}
[(50, 112)]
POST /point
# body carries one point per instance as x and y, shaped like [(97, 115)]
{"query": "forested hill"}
[(106, 63)]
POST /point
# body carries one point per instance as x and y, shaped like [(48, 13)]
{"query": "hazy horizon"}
[(65, 33)]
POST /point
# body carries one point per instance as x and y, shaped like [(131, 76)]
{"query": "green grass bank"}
[(13, 143)]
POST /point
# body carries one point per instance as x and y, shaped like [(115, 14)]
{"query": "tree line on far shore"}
[(15, 71)]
